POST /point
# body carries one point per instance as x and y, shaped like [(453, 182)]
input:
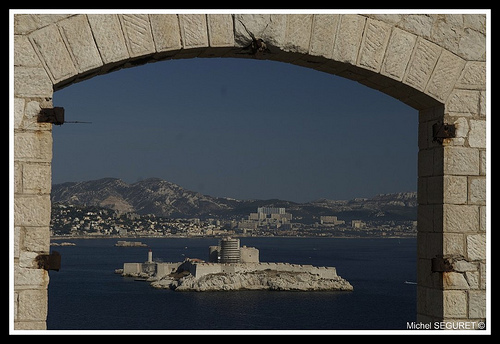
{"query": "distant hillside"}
[(162, 198)]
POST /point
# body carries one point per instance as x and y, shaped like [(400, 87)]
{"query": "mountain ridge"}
[(166, 199)]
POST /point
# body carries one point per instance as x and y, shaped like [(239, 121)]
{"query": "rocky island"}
[(231, 267)]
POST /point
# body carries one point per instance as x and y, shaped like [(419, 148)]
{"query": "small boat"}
[(408, 282)]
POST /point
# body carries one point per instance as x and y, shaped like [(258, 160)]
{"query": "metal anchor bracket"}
[(442, 131), (50, 261)]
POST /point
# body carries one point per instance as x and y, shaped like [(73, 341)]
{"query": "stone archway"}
[(435, 63)]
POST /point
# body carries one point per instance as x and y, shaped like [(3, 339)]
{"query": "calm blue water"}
[(86, 294)]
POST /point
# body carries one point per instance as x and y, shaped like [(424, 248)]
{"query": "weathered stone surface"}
[(193, 30), (53, 53), (463, 102), (33, 146), (165, 30), (137, 33), (473, 76), (460, 218), (423, 60), (455, 189), (476, 246), (24, 54), (32, 305), (477, 304), (455, 303), (32, 210), (398, 53), (477, 190), (477, 133), (349, 36), (32, 82), (298, 32), (220, 30), (269, 27), (445, 75), (461, 161), (78, 37), (323, 34), (108, 36), (36, 178), (31, 277), (373, 45)]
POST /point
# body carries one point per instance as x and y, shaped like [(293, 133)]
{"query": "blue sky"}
[(241, 128)]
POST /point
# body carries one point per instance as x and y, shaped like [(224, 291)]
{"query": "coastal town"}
[(95, 221)]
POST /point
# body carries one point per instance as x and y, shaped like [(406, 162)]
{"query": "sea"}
[(86, 294)]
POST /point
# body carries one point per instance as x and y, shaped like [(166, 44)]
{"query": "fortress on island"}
[(231, 267)]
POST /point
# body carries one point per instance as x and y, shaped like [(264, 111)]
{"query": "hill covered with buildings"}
[(153, 206)]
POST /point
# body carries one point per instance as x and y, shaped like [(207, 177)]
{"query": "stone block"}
[(32, 210), (53, 53), (373, 45), (477, 304), (32, 305), (348, 40), (298, 32), (453, 244), (36, 178), (435, 190), (137, 33), (32, 82), (193, 30), (460, 218), (324, 29), (463, 102), (108, 36), (477, 134), (270, 27), (455, 189), (398, 53), (36, 239), (33, 146), (473, 76), (24, 277), (455, 280), (422, 62), (477, 190), (476, 246), (166, 32), (24, 54), (18, 112), (455, 303), (445, 75), (461, 161), (78, 37), (220, 30), (425, 162)]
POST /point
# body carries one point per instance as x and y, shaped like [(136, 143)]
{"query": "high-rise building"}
[(270, 210)]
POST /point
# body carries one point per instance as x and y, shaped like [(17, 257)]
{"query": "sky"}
[(239, 128)]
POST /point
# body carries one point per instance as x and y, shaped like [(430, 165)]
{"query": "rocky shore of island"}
[(253, 280)]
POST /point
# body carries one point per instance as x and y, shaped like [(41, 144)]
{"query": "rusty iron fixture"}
[(50, 261), (441, 264), (442, 131), (54, 115)]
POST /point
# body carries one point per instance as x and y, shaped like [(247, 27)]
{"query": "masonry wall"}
[(435, 63), (200, 269)]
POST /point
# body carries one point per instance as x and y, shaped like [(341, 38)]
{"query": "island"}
[(123, 243), (231, 267)]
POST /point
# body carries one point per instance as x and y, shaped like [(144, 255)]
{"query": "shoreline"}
[(61, 237)]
